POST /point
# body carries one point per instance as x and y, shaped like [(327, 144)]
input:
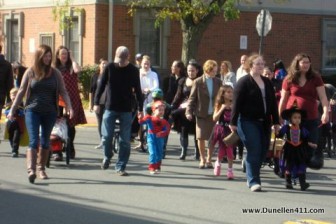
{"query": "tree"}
[(193, 15)]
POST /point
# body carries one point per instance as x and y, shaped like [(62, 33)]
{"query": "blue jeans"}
[(35, 120), (256, 137), (108, 125), (155, 148)]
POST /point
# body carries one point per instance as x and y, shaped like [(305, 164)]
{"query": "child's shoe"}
[(151, 168), (230, 174), (217, 169)]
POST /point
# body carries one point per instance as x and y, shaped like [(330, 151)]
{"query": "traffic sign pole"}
[(262, 32)]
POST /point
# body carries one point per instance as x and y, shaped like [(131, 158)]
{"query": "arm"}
[(283, 101), (165, 131), (178, 98), (10, 82), (154, 82), (324, 101), (192, 101), (137, 90), (22, 91), (218, 112), (63, 92)]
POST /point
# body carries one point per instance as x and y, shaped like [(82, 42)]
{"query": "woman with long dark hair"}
[(70, 70), (42, 85)]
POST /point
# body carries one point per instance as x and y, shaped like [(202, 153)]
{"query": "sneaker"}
[(230, 175), (122, 173), (217, 169), (152, 172), (256, 188), (100, 146), (157, 171), (105, 165)]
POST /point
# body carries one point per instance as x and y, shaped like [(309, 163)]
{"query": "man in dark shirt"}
[(6, 80), (121, 79)]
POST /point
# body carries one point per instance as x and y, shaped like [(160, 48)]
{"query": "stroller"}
[(273, 157), (59, 139)]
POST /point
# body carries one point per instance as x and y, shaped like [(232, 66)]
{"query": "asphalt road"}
[(82, 193)]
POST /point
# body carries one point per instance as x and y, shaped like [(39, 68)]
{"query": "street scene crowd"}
[(225, 111)]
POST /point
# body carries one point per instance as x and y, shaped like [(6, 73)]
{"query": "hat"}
[(286, 114), (157, 104), (157, 94), (121, 55)]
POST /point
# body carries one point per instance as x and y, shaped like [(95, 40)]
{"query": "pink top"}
[(305, 96)]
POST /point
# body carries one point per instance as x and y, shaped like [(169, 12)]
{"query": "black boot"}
[(184, 143), (183, 153), (289, 184), (303, 184), (197, 153)]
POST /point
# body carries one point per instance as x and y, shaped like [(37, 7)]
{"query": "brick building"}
[(102, 25)]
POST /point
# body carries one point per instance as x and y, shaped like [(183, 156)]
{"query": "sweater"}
[(121, 83)]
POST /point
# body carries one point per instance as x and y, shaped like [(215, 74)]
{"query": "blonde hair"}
[(14, 91), (145, 57), (209, 66), (228, 65)]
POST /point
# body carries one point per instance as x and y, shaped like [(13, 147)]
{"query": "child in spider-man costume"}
[(158, 129)]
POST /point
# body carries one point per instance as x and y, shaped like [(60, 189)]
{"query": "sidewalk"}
[(90, 118)]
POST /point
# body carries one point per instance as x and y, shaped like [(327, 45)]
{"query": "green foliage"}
[(85, 79), (61, 11), (185, 9)]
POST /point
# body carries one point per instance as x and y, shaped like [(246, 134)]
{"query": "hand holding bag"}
[(232, 139)]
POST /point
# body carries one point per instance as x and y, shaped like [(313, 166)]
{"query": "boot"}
[(184, 144), (197, 154), (183, 153), (303, 184), (31, 165), (288, 178), (42, 159)]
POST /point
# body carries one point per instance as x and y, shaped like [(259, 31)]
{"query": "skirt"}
[(204, 127)]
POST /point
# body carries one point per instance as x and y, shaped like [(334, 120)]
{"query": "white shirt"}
[(148, 80), (240, 73)]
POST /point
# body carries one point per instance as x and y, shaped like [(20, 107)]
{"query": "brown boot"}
[(31, 165), (42, 159)]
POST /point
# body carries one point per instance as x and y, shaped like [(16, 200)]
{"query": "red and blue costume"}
[(158, 129)]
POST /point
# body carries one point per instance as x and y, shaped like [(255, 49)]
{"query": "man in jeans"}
[(121, 79)]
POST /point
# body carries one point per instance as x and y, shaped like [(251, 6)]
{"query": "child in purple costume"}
[(294, 149)]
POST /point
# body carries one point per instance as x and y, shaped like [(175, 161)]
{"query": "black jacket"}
[(248, 102), (6, 79)]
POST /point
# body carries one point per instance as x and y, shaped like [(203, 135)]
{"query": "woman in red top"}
[(70, 70), (305, 86)]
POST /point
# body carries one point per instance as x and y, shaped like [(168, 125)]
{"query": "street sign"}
[(264, 22)]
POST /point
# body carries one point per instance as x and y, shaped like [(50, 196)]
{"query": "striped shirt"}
[(43, 95)]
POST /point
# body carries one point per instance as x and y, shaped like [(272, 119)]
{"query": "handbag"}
[(232, 139)]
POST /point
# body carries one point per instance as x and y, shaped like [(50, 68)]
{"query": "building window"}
[(151, 40), (13, 34), (329, 45), (73, 36), (48, 39)]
